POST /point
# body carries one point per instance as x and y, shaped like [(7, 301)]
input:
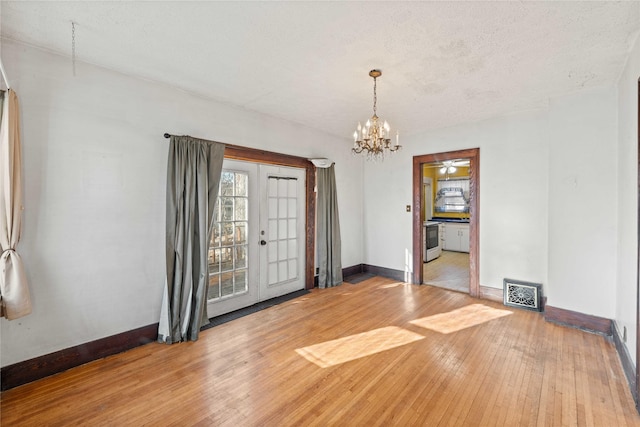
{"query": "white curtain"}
[(462, 183), (193, 177), (15, 300)]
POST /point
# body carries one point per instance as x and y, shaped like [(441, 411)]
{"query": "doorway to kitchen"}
[(445, 216), (458, 236)]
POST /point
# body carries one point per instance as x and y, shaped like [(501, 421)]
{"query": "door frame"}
[(637, 373), (473, 154), (236, 152)]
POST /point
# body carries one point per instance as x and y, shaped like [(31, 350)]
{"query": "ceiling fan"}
[(449, 166)]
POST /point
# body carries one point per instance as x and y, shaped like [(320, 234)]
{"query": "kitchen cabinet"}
[(456, 237)]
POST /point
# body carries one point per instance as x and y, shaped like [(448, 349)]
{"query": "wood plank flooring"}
[(450, 271), (515, 370)]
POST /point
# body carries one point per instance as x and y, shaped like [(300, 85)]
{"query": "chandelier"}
[(372, 139)]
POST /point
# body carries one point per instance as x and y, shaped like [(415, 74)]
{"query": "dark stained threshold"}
[(224, 318)]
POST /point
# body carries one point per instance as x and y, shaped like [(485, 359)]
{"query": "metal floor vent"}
[(522, 294)]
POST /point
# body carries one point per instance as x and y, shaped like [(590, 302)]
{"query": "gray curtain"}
[(193, 177), (328, 230)]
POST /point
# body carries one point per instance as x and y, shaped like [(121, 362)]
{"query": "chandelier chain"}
[(73, 47), (375, 97)]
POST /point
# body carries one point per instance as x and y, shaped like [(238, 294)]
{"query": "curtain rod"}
[(169, 135), (247, 149)]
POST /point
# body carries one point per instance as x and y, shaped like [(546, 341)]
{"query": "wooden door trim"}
[(247, 154), (637, 390), (473, 154)]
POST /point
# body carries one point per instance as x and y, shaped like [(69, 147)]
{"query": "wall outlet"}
[(408, 208)]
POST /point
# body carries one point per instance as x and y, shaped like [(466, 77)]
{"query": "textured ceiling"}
[(443, 63)]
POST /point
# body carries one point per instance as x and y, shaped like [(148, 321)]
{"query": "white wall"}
[(626, 289), (95, 175), (513, 197), (583, 202), (95, 164), (543, 180)]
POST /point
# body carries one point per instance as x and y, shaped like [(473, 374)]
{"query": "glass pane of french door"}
[(283, 262), (233, 250), (228, 248)]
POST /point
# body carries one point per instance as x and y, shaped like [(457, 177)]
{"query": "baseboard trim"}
[(574, 319), (389, 273), (346, 272), (43, 366), (627, 363), (353, 270), (492, 294)]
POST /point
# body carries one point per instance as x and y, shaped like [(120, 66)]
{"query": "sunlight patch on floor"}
[(461, 318), (353, 347), (392, 285)]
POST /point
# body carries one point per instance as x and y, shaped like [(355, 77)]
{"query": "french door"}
[(257, 248), (282, 234)]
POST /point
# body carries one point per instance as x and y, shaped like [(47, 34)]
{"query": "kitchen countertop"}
[(455, 220)]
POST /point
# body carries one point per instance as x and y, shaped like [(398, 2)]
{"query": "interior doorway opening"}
[(445, 220), (471, 214)]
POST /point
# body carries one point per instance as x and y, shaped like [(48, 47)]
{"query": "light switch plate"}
[(408, 208)]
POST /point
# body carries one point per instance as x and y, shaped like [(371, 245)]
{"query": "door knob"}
[(263, 242)]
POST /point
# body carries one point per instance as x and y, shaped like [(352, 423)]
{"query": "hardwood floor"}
[(450, 271), (513, 370)]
